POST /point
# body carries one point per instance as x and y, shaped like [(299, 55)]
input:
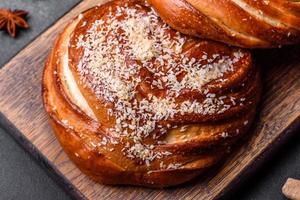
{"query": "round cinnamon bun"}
[(133, 101)]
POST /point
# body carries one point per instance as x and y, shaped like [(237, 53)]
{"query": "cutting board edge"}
[(53, 172), (40, 158), (262, 158)]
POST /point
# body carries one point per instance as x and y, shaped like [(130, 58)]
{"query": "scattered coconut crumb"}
[(130, 40)]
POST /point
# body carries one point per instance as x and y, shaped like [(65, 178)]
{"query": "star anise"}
[(11, 20)]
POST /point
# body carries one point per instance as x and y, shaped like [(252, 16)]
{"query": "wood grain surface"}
[(23, 114)]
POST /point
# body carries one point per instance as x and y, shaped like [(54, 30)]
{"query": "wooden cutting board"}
[(22, 114)]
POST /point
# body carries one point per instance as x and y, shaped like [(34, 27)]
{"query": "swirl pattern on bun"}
[(243, 23), (133, 101)]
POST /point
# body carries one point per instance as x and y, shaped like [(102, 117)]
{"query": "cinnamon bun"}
[(243, 23), (133, 101)]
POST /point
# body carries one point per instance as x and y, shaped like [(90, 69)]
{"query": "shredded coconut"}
[(130, 40)]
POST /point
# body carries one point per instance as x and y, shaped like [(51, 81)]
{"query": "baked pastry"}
[(132, 101), (243, 23)]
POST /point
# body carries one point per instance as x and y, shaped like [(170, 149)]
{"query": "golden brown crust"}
[(213, 114), (244, 23)]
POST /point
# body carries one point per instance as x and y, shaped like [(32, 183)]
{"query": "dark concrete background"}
[(21, 178)]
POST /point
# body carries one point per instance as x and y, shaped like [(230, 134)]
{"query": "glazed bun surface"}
[(133, 101), (243, 23)]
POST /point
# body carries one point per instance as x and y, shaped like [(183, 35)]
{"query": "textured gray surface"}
[(42, 14), (22, 178)]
